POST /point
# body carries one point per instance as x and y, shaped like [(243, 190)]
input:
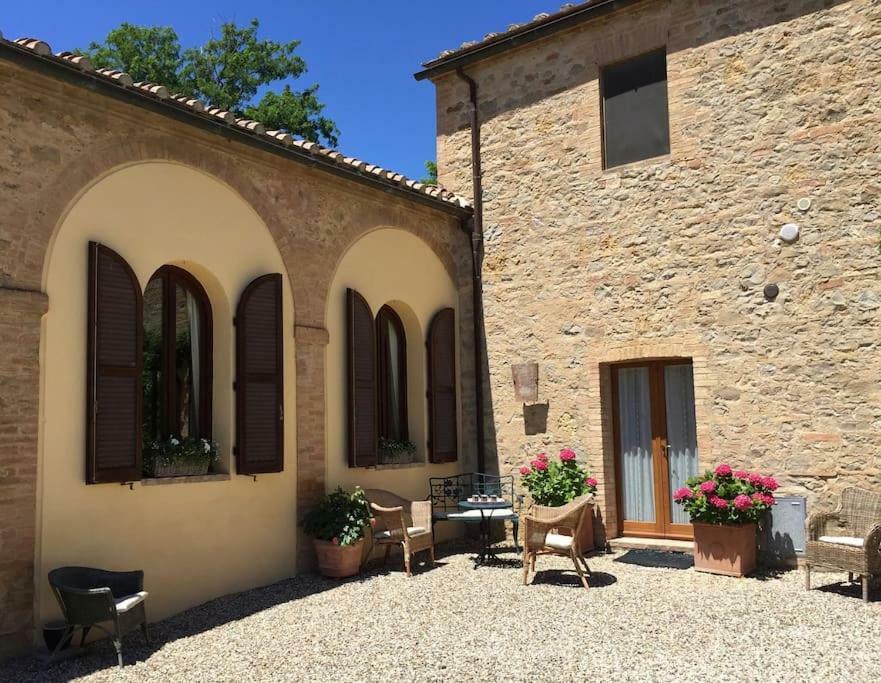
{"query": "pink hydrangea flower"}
[(542, 457), (755, 479), (769, 499), (723, 470), (590, 481), (770, 483), (682, 493), (720, 503), (540, 465), (708, 486), (525, 470), (758, 498), (741, 474), (743, 502), (567, 455)]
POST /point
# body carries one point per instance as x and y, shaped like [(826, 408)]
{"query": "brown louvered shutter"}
[(115, 359), (260, 377), (361, 366), (442, 423)]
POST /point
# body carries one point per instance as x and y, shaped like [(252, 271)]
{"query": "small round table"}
[(485, 550)]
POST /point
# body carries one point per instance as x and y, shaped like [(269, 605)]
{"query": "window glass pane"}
[(635, 117), (393, 382), (186, 365), (152, 373)]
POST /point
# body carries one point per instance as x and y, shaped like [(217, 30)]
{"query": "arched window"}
[(177, 357), (391, 349)]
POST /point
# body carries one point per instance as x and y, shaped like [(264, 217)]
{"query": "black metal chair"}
[(112, 602), (445, 494)]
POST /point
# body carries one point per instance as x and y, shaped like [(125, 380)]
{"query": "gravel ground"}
[(454, 622)]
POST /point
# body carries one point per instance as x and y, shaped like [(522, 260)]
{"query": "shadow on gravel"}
[(659, 559), (569, 579), (851, 590)]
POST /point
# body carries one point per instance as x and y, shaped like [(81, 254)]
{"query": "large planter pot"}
[(585, 538), (338, 561), (725, 549)]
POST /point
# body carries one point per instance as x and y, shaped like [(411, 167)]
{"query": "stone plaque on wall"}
[(525, 382)]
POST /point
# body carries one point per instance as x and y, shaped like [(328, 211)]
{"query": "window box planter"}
[(180, 469), (338, 561), (728, 549)]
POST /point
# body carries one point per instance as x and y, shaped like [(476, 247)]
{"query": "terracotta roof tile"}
[(121, 79)]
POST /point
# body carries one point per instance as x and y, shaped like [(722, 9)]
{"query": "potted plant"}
[(179, 457), (395, 451), (557, 482), (337, 524), (724, 506)]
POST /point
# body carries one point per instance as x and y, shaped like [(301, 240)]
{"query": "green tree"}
[(431, 171), (226, 71)]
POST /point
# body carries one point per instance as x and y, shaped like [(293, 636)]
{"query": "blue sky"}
[(363, 54)]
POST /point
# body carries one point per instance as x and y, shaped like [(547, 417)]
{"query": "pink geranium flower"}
[(542, 457), (769, 499), (567, 455), (590, 481), (708, 486), (525, 470), (743, 502), (723, 470), (720, 503), (755, 479), (741, 474), (770, 483), (540, 465), (683, 493)]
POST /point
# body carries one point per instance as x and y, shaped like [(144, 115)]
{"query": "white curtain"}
[(394, 397), (195, 339), (635, 426), (681, 431)]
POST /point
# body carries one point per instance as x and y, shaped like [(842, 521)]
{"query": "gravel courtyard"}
[(457, 623)]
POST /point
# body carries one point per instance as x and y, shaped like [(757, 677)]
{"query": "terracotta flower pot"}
[(338, 561), (725, 549)]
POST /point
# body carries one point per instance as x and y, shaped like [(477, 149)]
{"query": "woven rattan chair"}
[(401, 522), (112, 602), (542, 527), (848, 539)]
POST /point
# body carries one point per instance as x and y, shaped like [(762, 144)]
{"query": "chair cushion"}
[(474, 515), (411, 530), (842, 540), (125, 603), (558, 542)]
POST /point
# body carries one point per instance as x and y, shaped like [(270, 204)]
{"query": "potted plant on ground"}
[(724, 506), (337, 524), (559, 481), (179, 457)]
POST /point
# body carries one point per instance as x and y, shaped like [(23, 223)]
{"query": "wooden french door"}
[(655, 439)]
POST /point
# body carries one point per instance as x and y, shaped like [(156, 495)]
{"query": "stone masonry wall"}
[(55, 140), (769, 102)]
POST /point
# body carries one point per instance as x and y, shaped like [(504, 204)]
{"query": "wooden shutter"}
[(114, 366), (442, 415), (260, 377), (361, 370)]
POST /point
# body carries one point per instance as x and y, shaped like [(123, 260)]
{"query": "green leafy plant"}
[(396, 450), (727, 496), (179, 451), (556, 482), (340, 517)]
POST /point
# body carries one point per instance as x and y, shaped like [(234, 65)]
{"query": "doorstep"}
[(665, 544)]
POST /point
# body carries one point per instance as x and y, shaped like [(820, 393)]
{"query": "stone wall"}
[(769, 103), (57, 139)]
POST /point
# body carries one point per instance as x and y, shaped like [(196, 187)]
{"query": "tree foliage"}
[(226, 71), (431, 173)]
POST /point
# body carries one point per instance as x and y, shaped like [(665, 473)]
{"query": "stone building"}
[(639, 160)]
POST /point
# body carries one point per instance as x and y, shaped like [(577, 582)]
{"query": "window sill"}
[(192, 479), (398, 466), (639, 164)]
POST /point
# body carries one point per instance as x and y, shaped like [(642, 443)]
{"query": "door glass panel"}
[(682, 459), (635, 427)]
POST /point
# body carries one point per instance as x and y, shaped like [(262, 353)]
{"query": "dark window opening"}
[(391, 347), (177, 364), (635, 115)]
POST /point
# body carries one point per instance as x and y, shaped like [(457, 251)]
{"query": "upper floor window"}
[(177, 357), (635, 117)]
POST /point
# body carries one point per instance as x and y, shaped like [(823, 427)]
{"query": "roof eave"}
[(521, 36)]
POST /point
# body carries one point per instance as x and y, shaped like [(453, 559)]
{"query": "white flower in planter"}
[(175, 442)]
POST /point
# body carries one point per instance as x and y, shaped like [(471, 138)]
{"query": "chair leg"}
[(407, 559), (533, 563), (850, 577), (807, 577), (146, 633), (68, 633), (578, 569), (516, 535), (388, 549), (86, 630), (525, 567), (865, 588), (433, 561), (584, 562), (118, 645)]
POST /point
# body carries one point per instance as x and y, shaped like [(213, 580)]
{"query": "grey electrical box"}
[(783, 541)]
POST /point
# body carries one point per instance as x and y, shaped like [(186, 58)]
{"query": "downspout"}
[(476, 260)]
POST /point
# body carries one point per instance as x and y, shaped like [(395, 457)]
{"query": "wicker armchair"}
[(401, 522), (541, 535), (112, 602), (848, 539)]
